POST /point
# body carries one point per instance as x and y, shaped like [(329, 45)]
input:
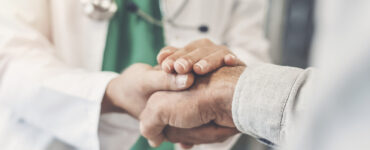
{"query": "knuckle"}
[(152, 110), (203, 49), (152, 106), (226, 51), (168, 79), (137, 69), (188, 49), (171, 58), (205, 40), (144, 129), (154, 98), (171, 48), (207, 60), (156, 106), (139, 66), (189, 59), (146, 132)]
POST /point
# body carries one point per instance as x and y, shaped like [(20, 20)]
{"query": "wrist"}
[(122, 98), (225, 94), (226, 100), (109, 102)]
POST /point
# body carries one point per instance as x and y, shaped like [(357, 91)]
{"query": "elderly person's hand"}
[(201, 56), (209, 100), (209, 133), (130, 91)]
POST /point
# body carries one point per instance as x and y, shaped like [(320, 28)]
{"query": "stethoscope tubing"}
[(105, 9)]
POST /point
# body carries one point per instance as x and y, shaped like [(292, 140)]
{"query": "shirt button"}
[(265, 141), (21, 121)]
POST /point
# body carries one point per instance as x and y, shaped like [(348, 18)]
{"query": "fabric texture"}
[(261, 99), (131, 39), (65, 99)]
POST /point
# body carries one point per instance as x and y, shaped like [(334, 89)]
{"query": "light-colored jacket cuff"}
[(260, 98), (67, 108)]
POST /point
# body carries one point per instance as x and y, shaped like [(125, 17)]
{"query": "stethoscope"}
[(105, 9)]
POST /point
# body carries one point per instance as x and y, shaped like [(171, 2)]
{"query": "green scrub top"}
[(132, 40)]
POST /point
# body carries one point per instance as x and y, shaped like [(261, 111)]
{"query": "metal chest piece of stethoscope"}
[(105, 9)]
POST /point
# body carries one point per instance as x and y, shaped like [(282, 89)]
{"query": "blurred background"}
[(290, 29)]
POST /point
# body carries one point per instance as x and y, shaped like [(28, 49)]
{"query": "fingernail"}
[(166, 51), (181, 80), (166, 65), (182, 62), (202, 64), (230, 56), (151, 143), (163, 52)]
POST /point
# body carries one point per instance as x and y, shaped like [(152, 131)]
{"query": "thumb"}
[(158, 80)]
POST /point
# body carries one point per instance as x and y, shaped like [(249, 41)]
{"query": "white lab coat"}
[(51, 53)]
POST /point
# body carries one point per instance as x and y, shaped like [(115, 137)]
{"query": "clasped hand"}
[(173, 104)]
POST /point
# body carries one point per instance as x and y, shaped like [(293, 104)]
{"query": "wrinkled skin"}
[(208, 100)]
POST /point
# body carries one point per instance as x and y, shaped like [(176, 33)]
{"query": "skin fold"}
[(183, 88), (207, 101)]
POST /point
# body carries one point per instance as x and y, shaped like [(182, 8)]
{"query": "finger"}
[(157, 67), (210, 63), (156, 142), (160, 112), (152, 123), (157, 80), (199, 43), (200, 135), (164, 53), (231, 60), (186, 145), (168, 63), (185, 63)]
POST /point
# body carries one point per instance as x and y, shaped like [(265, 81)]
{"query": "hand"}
[(206, 101), (209, 133), (131, 90), (201, 56)]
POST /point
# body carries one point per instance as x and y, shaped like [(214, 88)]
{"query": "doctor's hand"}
[(201, 56), (208, 100), (130, 91)]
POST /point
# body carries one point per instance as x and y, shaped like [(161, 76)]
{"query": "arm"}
[(259, 102), (265, 99), (244, 35), (37, 86), (61, 100)]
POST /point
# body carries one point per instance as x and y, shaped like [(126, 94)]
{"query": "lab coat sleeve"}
[(267, 97), (245, 35), (40, 89)]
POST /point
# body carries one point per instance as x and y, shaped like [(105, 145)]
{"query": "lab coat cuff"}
[(259, 100), (69, 115)]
